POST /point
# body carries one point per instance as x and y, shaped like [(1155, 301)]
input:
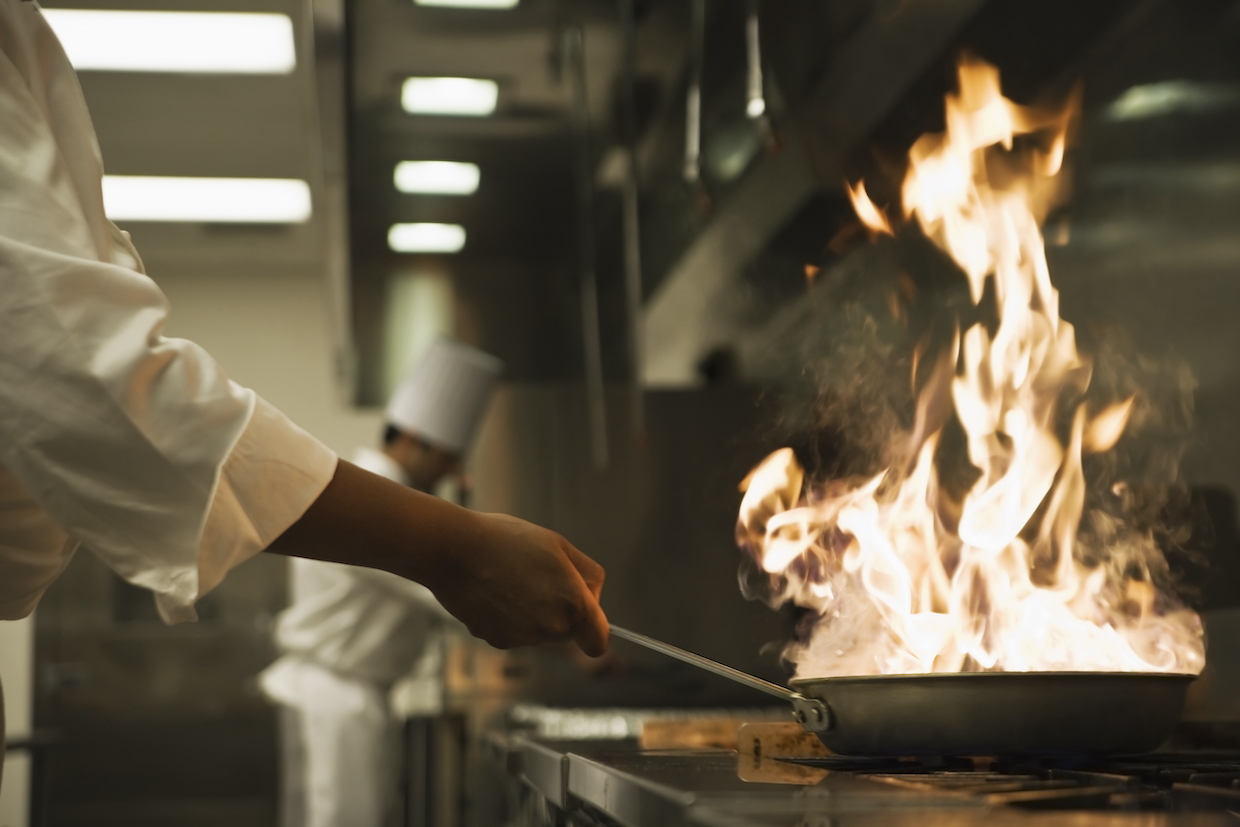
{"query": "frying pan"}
[(973, 713)]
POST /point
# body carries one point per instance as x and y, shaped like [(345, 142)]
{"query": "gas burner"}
[(1190, 780)]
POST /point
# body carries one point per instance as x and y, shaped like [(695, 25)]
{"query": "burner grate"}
[(1160, 781)]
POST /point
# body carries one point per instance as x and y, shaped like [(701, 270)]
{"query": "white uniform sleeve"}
[(134, 443)]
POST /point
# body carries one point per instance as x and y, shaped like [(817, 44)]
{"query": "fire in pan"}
[(973, 713), (930, 576)]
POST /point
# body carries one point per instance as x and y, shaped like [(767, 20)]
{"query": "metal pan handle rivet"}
[(811, 713)]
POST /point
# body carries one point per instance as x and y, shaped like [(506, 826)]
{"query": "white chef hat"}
[(442, 400)]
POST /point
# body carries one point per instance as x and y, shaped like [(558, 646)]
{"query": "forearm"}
[(366, 520), (510, 582)]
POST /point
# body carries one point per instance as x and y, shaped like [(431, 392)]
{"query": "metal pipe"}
[(755, 106), (693, 104), (630, 196), (591, 336), (325, 39), (633, 296)]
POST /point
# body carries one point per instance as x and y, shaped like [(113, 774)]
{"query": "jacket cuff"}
[(274, 473)]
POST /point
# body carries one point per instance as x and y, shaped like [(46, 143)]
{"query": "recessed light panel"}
[(212, 200), (449, 96), (437, 177), (1152, 100), (159, 41), (469, 4), (426, 238)]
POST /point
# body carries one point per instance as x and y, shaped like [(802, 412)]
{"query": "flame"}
[(1107, 427), (870, 215), (907, 578)]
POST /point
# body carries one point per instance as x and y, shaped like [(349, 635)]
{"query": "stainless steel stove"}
[(618, 782), (1171, 781)]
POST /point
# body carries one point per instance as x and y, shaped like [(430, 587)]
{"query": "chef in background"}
[(350, 632), (137, 445)]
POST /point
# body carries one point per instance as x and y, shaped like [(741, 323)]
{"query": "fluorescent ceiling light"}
[(469, 4), (1152, 100), (449, 96), (212, 200), (437, 177), (426, 238), (164, 41)]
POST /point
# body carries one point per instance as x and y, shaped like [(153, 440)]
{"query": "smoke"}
[(1138, 511)]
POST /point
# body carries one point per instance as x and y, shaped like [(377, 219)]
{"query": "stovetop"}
[(617, 782), (1195, 780)]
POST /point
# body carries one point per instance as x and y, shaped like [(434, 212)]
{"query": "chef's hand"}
[(513, 583)]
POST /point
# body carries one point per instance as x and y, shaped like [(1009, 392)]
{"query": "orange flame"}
[(870, 215), (903, 578), (1107, 427)]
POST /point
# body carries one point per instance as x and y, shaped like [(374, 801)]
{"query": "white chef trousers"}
[(341, 754)]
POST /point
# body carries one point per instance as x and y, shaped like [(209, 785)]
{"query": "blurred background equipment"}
[(638, 205)]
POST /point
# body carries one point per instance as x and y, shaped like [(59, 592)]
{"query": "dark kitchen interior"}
[(722, 281)]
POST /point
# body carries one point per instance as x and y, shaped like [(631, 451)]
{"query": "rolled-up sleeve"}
[(135, 444)]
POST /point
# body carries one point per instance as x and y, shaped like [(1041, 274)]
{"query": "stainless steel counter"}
[(700, 787), (616, 782)]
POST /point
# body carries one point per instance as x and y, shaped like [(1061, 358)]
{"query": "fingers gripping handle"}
[(811, 713)]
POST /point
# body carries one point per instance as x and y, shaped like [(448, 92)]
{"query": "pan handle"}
[(811, 713)]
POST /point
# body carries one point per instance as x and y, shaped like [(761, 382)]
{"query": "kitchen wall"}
[(660, 518), (271, 333)]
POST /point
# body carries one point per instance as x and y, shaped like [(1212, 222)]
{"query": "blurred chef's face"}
[(425, 464)]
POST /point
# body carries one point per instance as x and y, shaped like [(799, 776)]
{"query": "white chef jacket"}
[(112, 434), (361, 623)]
